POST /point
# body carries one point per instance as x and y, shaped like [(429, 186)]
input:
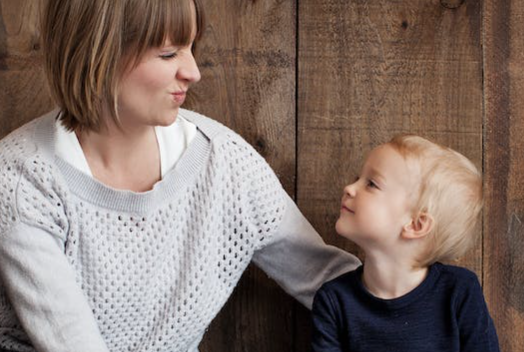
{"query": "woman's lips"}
[(179, 97)]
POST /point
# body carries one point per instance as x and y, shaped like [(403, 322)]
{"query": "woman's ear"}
[(420, 226)]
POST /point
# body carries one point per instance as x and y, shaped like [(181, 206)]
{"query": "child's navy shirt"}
[(445, 313)]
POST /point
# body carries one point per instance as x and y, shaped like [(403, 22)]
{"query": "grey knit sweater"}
[(84, 267)]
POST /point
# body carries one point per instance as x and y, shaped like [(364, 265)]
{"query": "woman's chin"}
[(168, 119)]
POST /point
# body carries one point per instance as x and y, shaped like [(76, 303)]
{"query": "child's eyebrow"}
[(377, 175)]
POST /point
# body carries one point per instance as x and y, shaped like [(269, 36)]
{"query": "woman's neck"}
[(390, 278), (123, 159)]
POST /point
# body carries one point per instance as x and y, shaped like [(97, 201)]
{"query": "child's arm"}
[(477, 332), (325, 324)]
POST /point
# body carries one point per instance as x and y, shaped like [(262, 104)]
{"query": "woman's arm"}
[(298, 259), (288, 248), (41, 286)]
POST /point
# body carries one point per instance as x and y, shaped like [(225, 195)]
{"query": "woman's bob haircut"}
[(89, 44)]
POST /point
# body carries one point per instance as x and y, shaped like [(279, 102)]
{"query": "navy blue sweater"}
[(446, 312)]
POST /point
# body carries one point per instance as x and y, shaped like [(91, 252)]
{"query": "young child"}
[(414, 204)]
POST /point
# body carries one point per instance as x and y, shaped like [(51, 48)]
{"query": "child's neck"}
[(388, 278)]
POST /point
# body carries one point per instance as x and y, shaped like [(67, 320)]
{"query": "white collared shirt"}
[(172, 141)]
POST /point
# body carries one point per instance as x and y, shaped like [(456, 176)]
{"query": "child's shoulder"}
[(457, 276), (338, 291), (343, 281), (457, 272)]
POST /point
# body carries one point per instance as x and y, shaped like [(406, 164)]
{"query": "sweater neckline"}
[(168, 188), (404, 300)]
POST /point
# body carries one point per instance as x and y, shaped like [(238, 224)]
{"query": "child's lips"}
[(346, 209)]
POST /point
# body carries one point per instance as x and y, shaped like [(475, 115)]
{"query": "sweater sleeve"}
[(287, 247), (40, 284), (298, 259), (325, 327), (476, 328)]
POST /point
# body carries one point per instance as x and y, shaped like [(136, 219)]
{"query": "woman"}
[(127, 221)]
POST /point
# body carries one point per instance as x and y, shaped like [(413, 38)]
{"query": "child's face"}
[(377, 206)]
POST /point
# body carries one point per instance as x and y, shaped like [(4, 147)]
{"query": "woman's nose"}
[(188, 70)]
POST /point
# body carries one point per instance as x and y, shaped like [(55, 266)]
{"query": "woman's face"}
[(152, 92)]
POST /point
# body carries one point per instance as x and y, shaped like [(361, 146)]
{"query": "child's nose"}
[(351, 189)]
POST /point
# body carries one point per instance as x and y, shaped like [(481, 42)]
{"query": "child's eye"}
[(372, 184)]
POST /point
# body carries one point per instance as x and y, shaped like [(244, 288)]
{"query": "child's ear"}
[(419, 226)]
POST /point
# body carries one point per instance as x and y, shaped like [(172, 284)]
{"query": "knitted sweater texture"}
[(84, 267)]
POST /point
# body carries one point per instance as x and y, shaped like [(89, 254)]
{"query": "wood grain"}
[(369, 70), (363, 71), (23, 89), (247, 59), (503, 26), (248, 64)]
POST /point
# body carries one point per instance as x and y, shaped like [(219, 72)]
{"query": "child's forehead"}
[(387, 161), (384, 154)]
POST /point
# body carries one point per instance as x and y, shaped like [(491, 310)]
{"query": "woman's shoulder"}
[(26, 142), (225, 141), (27, 172), (26, 153), (207, 125), (212, 129)]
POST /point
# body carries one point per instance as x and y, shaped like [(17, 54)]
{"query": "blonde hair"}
[(88, 45), (450, 191)]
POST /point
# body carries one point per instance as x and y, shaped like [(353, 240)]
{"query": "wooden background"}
[(315, 84)]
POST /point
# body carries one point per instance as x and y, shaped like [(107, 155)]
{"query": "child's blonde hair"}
[(450, 192)]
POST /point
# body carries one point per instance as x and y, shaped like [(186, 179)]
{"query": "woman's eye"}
[(168, 56)]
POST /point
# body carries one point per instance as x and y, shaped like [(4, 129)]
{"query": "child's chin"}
[(341, 230)]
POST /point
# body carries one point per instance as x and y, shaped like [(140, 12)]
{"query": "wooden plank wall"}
[(248, 61), (314, 85), (23, 89), (503, 28), (369, 70)]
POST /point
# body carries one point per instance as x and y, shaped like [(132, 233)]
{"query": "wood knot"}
[(452, 4), (405, 24), (3, 61), (260, 145)]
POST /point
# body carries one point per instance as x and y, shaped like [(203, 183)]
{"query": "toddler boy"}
[(414, 205)]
